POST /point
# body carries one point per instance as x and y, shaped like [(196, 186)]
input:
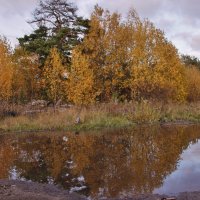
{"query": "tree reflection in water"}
[(109, 164)]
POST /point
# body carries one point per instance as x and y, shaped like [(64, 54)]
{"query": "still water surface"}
[(109, 163)]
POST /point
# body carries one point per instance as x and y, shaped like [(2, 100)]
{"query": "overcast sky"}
[(179, 19)]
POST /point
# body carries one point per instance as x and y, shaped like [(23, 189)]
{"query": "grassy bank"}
[(104, 116)]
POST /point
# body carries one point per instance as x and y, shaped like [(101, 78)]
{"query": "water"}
[(107, 164)]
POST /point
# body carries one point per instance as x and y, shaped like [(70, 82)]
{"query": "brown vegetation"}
[(101, 116)]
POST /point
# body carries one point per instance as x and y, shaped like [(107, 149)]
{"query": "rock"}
[(66, 106), (78, 120), (41, 103)]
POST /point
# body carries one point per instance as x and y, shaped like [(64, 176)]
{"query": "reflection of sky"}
[(187, 175), (14, 174)]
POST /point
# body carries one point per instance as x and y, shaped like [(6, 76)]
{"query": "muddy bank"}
[(18, 190)]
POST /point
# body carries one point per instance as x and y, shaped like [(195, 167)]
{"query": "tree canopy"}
[(131, 59), (53, 77), (190, 61), (103, 59), (6, 70)]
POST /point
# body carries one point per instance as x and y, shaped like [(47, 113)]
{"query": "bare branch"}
[(54, 14)]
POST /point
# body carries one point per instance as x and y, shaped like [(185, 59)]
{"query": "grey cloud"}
[(13, 17), (189, 8), (195, 42), (148, 8), (85, 7), (175, 17), (165, 23), (17, 7), (145, 8)]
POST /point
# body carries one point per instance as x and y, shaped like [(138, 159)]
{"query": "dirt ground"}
[(18, 190)]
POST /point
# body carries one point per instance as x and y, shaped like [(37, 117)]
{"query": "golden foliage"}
[(26, 82), (54, 78), (122, 59), (156, 70), (6, 71), (81, 88), (132, 59), (106, 47)]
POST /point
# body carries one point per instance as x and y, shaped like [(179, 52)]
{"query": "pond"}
[(161, 160)]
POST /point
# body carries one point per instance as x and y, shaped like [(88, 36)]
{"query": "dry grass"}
[(104, 116), (91, 118)]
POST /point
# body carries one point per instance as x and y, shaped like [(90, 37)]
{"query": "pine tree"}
[(57, 25)]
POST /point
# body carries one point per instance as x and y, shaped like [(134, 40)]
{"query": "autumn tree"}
[(156, 70), (6, 70), (81, 86), (131, 59), (54, 76), (92, 47), (106, 47), (26, 78), (117, 44)]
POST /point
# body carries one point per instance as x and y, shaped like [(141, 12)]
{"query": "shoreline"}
[(20, 190), (84, 128), (79, 129), (104, 116)]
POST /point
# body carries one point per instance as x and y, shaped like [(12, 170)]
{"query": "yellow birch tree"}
[(54, 77), (6, 71), (131, 59), (156, 70), (81, 85)]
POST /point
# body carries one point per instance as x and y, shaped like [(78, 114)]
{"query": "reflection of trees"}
[(135, 161), (111, 163), (7, 156)]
